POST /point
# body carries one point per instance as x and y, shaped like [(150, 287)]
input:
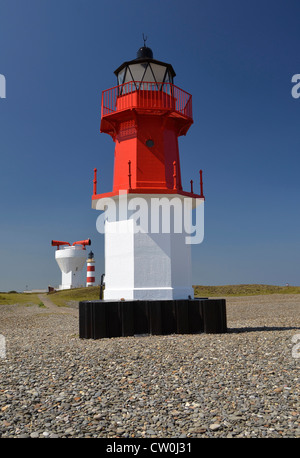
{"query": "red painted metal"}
[(174, 175), (95, 182), (201, 184), (145, 120), (146, 95), (58, 243), (129, 174), (83, 243)]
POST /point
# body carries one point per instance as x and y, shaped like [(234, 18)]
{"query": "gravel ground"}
[(244, 383)]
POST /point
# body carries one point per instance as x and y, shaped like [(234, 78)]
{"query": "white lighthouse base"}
[(71, 280), (142, 265), (149, 293)]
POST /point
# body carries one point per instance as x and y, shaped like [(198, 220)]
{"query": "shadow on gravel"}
[(261, 328)]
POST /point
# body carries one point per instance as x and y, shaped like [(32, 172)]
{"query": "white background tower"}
[(71, 260)]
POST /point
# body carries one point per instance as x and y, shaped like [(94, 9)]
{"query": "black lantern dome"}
[(144, 51), (145, 69)]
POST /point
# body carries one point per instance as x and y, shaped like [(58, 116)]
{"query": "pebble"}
[(244, 383), (215, 426)]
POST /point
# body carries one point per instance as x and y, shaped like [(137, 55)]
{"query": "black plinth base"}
[(103, 319)]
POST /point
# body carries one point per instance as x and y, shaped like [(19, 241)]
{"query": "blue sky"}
[(235, 57)]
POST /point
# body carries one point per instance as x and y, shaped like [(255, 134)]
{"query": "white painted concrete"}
[(71, 260), (142, 265)]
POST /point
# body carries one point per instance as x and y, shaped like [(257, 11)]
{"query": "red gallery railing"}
[(147, 96)]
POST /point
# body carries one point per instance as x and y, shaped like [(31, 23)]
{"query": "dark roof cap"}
[(144, 51)]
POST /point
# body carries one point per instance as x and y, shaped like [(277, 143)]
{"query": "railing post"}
[(154, 96), (174, 175), (95, 182), (129, 173), (201, 184)]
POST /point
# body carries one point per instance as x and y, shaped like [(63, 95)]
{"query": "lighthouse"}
[(144, 115), (146, 216), (90, 270), (70, 259)]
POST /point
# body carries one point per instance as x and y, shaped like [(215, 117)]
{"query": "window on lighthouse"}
[(121, 76), (145, 72), (136, 72), (159, 71)]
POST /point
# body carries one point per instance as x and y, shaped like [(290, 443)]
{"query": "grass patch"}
[(61, 298), (243, 290), (19, 298)]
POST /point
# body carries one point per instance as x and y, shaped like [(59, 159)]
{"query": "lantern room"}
[(145, 69)]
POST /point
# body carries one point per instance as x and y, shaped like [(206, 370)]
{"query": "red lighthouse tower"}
[(145, 114)]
